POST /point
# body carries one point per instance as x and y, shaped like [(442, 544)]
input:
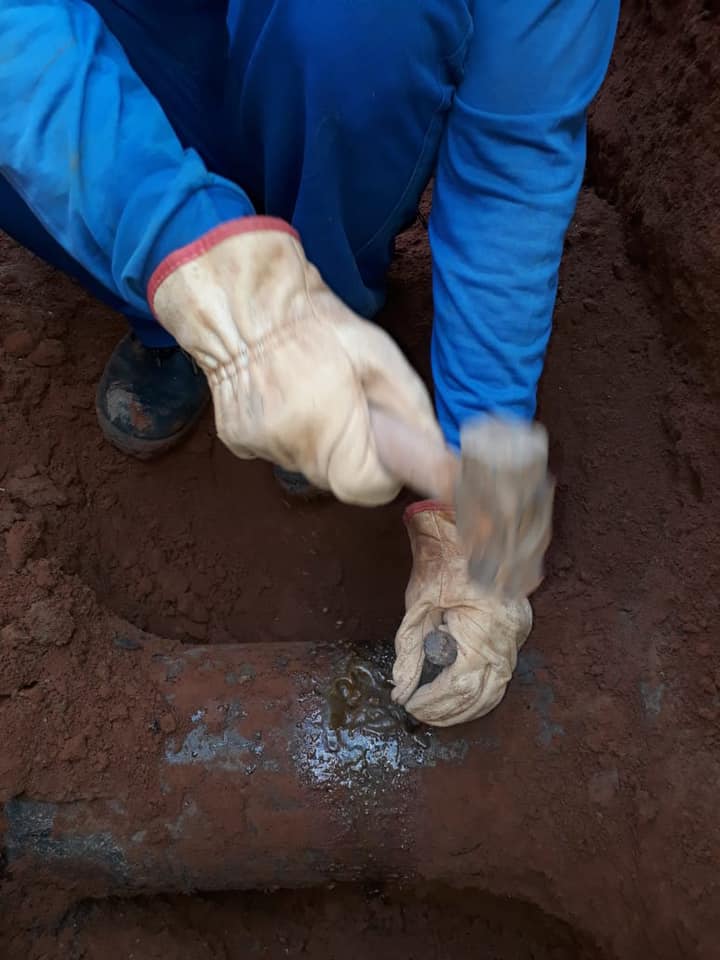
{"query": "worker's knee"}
[(344, 101), (373, 52)]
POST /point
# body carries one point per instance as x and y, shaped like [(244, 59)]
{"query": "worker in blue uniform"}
[(232, 177)]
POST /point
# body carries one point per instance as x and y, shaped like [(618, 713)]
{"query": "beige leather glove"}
[(488, 631), (291, 369)]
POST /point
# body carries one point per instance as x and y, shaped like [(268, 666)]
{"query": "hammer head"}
[(504, 502)]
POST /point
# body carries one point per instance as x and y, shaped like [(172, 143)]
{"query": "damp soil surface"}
[(201, 548), (342, 923)]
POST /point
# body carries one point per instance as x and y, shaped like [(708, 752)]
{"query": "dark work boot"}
[(149, 398), (297, 485)]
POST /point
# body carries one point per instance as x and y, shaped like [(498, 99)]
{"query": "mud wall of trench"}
[(653, 151)]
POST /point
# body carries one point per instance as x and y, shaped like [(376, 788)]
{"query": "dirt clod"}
[(21, 540), (48, 353), (18, 344), (75, 748), (35, 491), (48, 622), (168, 724)]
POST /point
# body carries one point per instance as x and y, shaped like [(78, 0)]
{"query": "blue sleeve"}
[(510, 168), (91, 152)]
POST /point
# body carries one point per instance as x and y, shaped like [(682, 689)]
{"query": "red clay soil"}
[(200, 547), (601, 834), (342, 923), (655, 141)]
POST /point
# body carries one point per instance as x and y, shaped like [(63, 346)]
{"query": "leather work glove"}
[(291, 369), (488, 631)]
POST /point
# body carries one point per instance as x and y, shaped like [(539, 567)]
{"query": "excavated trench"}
[(172, 634)]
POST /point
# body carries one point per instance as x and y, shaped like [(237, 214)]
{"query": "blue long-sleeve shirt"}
[(89, 149), (510, 168)]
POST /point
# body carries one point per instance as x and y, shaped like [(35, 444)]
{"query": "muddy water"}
[(360, 736)]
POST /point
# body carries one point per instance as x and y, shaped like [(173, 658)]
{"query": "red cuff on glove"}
[(191, 251), (425, 506)]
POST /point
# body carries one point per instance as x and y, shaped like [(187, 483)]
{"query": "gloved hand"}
[(291, 369), (488, 631)]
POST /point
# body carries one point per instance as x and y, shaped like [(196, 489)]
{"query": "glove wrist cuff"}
[(427, 506), (204, 243)]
